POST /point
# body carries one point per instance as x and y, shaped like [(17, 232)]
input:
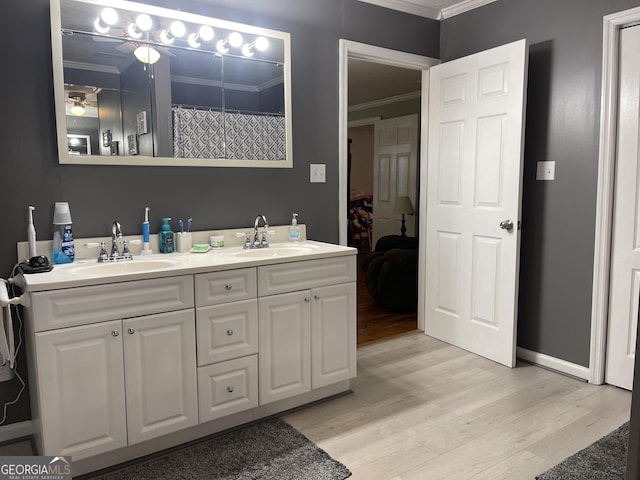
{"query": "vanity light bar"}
[(144, 23)]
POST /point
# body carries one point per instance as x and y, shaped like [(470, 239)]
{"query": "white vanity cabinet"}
[(120, 369), (107, 383), (307, 333)]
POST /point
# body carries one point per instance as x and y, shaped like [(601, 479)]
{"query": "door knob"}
[(506, 225)]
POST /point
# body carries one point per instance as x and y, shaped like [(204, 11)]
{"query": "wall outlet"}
[(546, 171), (318, 173)]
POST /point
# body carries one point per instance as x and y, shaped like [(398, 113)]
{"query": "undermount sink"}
[(116, 268), (274, 252)]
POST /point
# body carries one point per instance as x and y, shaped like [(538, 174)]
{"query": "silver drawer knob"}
[(228, 286), (115, 333), (131, 331), (229, 332), (230, 389)]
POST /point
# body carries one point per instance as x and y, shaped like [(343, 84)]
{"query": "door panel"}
[(624, 289), (476, 115), (395, 172)]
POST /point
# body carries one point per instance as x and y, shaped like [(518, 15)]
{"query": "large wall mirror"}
[(141, 85)]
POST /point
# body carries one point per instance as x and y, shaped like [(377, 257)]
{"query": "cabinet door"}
[(81, 384), (285, 350), (160, 364), (333, 334)]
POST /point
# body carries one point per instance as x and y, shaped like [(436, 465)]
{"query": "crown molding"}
[(407, 7), (462, 7), (385, 101), (429, 12)]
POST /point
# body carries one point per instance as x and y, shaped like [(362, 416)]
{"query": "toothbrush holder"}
[(183, 242)]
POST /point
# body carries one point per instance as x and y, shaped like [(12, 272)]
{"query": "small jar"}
[(216, 241)]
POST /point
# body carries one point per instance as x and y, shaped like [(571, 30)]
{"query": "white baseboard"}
[(15, 430), (553, 363)]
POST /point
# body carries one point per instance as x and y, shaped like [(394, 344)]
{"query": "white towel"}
[(7, 343)]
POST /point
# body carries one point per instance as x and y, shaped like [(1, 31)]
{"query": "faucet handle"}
[(247, 239), (103, 256), (126, 254)]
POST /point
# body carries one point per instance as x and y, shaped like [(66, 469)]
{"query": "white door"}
[(624, 288), (395, 171), (475, 155), (80, 372), (160, 364)]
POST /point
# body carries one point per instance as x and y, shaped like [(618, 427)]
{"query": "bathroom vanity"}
[(127, 359)]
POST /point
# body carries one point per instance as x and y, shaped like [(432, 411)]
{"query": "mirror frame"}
[(138, 160)]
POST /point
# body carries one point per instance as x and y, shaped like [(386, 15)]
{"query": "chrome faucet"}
[(115, 255), (116, 233), (260, 241)]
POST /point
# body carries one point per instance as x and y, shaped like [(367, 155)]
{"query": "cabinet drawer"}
[(84, 305), (227, 387), (227, 331), (228, 286), (294, 276)]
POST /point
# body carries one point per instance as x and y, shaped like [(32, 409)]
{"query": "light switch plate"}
[(318, 173), (546, 171)]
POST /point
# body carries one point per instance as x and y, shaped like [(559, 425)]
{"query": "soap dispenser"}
[(294, 229), (165, 237)]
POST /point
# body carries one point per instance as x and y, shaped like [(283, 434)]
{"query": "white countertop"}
[(89, 272)]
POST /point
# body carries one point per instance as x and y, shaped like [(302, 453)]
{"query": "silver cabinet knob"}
[(230, 332), (131, 331), (317, 297), (307, 299), (115, 333), (228, 286), (506, 225), (230, 389)]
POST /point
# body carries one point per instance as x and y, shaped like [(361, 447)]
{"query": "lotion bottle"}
[(166, 237), (294, 229)]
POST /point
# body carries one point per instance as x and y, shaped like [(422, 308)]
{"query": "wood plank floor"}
[(422, 409), (376, 323)]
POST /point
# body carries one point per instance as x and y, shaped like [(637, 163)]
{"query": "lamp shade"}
[(147, 54), (403, 205)]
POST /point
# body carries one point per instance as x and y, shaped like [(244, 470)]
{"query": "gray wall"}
[(214, 197), (558, 220)]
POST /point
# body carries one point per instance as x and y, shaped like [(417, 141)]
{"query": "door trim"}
[(350, 49), (606, 187)]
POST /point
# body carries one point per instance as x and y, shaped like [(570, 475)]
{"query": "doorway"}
[(612, 25), (385, 69)]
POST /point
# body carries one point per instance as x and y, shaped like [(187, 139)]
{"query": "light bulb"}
[(176, 29), (194, 40), (261, 44), (144, 22), (222, 47), (235, 39), (108, 16), (206, 33), (247, 50)]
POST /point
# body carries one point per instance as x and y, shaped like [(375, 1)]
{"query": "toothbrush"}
[(145, 231), (31, 234), (181, 223), (189, 222)]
